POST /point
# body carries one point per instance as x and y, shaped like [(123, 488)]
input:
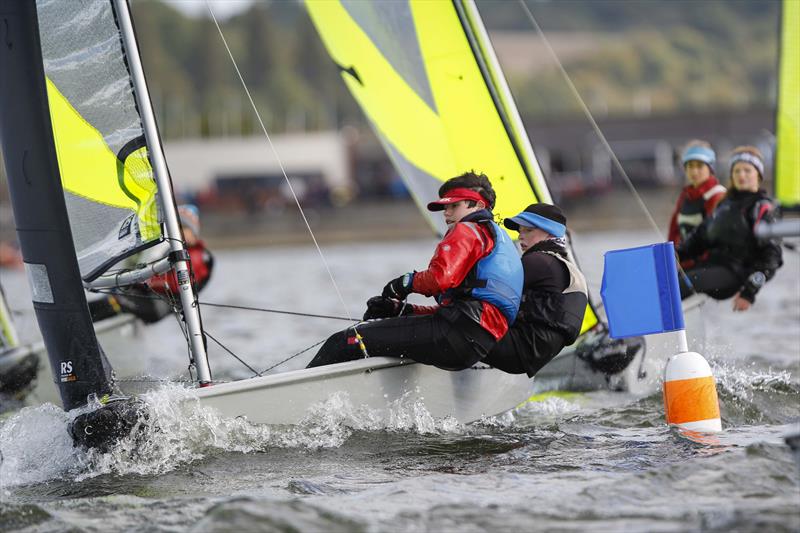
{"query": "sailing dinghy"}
[(90, 186), (427, 78)]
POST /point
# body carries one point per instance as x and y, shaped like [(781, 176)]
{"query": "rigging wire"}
[(602, 137), (280, 163), (114, 292), (278, 311), (589, 116), (176, 312), (253, 370), (301, 352)]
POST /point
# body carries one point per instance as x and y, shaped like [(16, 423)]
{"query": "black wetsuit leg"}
[(525, 350), (429, 339), (718, 281)]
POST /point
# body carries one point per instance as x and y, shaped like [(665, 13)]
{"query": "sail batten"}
[(425, 75)]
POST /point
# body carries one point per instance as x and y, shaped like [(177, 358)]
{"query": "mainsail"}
[(106, 175), (787, 163), (85, 171), (426, 76)]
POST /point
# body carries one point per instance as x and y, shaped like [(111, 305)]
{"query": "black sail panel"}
[(40, 211)]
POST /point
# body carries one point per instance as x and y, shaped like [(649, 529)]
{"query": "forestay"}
[(106, 174), (427, 78)]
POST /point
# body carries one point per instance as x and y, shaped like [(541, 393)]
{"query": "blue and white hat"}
[(546, 217), (703, 154)]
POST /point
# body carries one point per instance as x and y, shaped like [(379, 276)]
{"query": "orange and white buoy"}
[(690, 394)]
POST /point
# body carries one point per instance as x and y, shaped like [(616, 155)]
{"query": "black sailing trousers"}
[(718, 281), (429, 339)]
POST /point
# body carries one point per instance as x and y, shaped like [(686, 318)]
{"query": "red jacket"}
[(462, 247), (693, 206), (200, 263)]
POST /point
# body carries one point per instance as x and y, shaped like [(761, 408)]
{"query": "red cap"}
[(456, 195)]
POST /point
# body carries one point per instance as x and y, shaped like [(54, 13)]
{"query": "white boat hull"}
[(377, 383)]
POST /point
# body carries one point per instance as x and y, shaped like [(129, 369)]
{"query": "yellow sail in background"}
[(425, 75), (787, 164)]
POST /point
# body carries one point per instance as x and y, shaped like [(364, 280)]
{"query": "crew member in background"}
[(731, 260), (701, 194), (475, 275), (554, 294), (154, 299)]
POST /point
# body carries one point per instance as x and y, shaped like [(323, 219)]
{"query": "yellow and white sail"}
[(108, 182), (426, 76), (787, 162)]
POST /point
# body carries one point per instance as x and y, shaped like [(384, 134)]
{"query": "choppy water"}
[(594, 461)]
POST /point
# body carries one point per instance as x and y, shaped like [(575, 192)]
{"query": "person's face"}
[(189, 236), (745, 177), (456, 211), (530, 236), (697, 172)]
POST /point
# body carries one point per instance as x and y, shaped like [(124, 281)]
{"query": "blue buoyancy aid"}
[(497, 278)]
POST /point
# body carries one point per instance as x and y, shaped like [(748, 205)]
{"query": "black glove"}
[(380, 307), (399, 288), (751, 286)]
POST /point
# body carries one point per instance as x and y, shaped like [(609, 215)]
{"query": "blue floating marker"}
[(640, 291)]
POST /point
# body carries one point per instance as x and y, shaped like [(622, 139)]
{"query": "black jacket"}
[(728, 237)]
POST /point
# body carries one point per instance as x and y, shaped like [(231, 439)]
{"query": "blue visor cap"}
[(699, 153), (532, 220)]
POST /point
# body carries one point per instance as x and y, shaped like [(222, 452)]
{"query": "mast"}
[(76, 359), (178, 254)]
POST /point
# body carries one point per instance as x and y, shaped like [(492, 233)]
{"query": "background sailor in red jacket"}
[(475, 275), (155, 299), (700, 196)]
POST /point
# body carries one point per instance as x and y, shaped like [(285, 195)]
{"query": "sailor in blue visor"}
[(554, 295), (699, 197)]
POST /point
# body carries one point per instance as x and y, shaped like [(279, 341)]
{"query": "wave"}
[(177, 430)]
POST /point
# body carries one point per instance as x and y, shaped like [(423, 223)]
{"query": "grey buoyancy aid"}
[(561, 311), (496, 278)]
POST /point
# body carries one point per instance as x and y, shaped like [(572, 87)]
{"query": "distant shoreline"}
[(400, 220)]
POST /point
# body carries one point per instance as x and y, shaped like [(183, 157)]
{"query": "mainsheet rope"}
[(599, 132)]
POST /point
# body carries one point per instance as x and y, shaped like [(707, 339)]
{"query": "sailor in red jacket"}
[(475, 275), (702, 194), (142, 300)]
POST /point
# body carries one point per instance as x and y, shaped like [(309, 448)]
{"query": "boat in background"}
[(427, 78), (18, 364)]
